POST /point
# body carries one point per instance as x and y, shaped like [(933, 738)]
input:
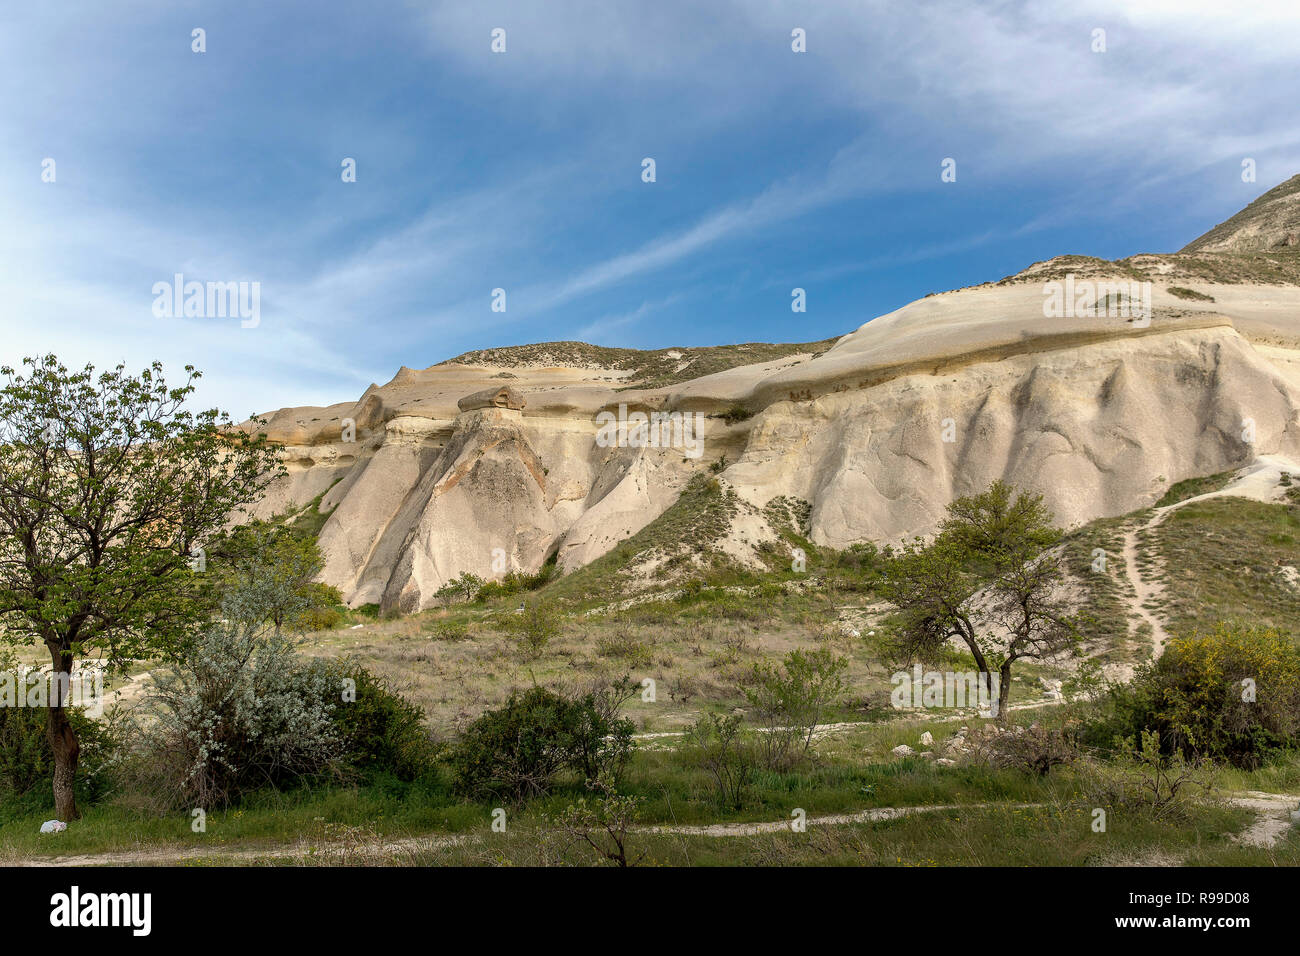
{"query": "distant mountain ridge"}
[(1270, 223)]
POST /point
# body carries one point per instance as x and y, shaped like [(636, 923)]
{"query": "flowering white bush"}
[(241, 711)]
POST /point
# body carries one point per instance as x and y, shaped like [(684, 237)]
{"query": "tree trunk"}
[(63, 739), (1004, 691)]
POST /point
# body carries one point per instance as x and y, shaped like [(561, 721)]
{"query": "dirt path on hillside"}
[(825, 730), (1258, 481), (1146, 591)]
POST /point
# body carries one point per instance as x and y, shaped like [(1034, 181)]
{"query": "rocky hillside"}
[(1190, 367), (1271, 222), (644, 368)]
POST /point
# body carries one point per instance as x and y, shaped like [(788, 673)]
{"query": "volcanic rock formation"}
[(448, 472)]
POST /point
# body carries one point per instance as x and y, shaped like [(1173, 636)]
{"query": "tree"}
[(992, 578), (107, 484), (535, 626), (605, 823), (465, 586), (791, 700), (722, 749), (266, 573)]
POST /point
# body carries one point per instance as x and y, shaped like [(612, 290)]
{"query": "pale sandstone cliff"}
[(878, 433)]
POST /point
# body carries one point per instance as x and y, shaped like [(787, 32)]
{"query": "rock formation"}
[(1100, 410)]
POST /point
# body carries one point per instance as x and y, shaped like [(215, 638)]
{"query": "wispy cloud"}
[(521, 170)]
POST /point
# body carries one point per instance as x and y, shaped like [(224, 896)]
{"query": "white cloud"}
[(1186, 88)]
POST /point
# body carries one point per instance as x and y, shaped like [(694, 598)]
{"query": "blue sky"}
[(522, 170)]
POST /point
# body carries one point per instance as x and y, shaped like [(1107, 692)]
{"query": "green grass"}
[(1192, 487), (1184, 293), (1104, 609), (1222, 561), (684, 534), (268, 817), (1000, 836)]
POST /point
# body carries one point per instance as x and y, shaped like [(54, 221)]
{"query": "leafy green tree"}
[(993, 578), (266, 573), (465, 586), (791, 700), (535, 626), (107, 485)]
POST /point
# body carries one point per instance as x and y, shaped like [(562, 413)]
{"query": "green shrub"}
[(516, 582), (25, 759), (1145, 777), (515, 751), (242, 711), (447, 629), (491, 591), (861, 565), (464, 587), (239, 710), (863, 556), (325, 613), (1232, 694), (27, 763), (1182, 292), (623, 646), (692, 589), (790, 700), (534, 627), (381, 731), (720, 747)]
